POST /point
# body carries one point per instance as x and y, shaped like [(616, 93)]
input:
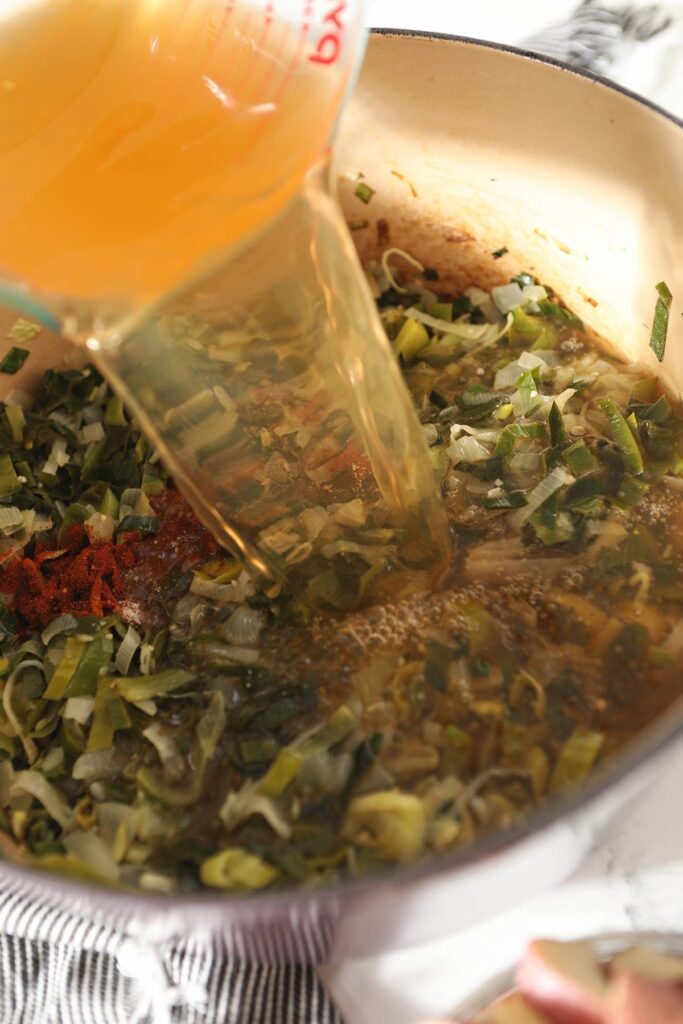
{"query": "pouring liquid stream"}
[(175, 152)]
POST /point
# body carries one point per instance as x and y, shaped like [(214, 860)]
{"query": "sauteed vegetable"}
[(168, 722)]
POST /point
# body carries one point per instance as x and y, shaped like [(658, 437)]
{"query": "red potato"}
[(563, 980), (648, 964), (638, 1000), (511, 1009)]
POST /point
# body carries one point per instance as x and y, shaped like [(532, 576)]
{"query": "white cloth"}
[(635, 879)]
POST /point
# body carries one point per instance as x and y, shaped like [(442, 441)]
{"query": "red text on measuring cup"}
[(329, 44)]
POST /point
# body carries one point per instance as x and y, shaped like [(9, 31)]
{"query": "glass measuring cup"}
[(266, 383)]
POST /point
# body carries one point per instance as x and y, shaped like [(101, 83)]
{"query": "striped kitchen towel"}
[(61, 968)]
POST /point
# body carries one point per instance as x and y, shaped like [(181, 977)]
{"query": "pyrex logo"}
[(329, 44)]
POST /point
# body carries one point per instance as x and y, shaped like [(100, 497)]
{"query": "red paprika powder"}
[(108, 576)]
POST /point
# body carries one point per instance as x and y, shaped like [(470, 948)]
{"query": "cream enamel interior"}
[(581, 183)]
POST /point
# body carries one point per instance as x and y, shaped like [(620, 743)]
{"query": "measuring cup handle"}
[(27, 305)]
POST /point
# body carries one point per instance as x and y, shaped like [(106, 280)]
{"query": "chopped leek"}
[(576, 759), (14, 360), (624, 438), (9, 481), (364, 192), (660, 323), (64, 672), (390, 823), (411, 340), (138, 688), (238, 870), (579, 458)]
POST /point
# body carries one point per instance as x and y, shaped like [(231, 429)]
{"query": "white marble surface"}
[(635, 879)]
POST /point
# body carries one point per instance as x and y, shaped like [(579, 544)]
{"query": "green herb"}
[(364, 192), (14, 360), (503, 251), (359, 225), (660, 324)]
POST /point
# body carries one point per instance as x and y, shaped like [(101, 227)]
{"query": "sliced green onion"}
[(660, 324)]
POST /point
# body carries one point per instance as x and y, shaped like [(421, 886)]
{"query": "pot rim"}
[(643, 750)]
